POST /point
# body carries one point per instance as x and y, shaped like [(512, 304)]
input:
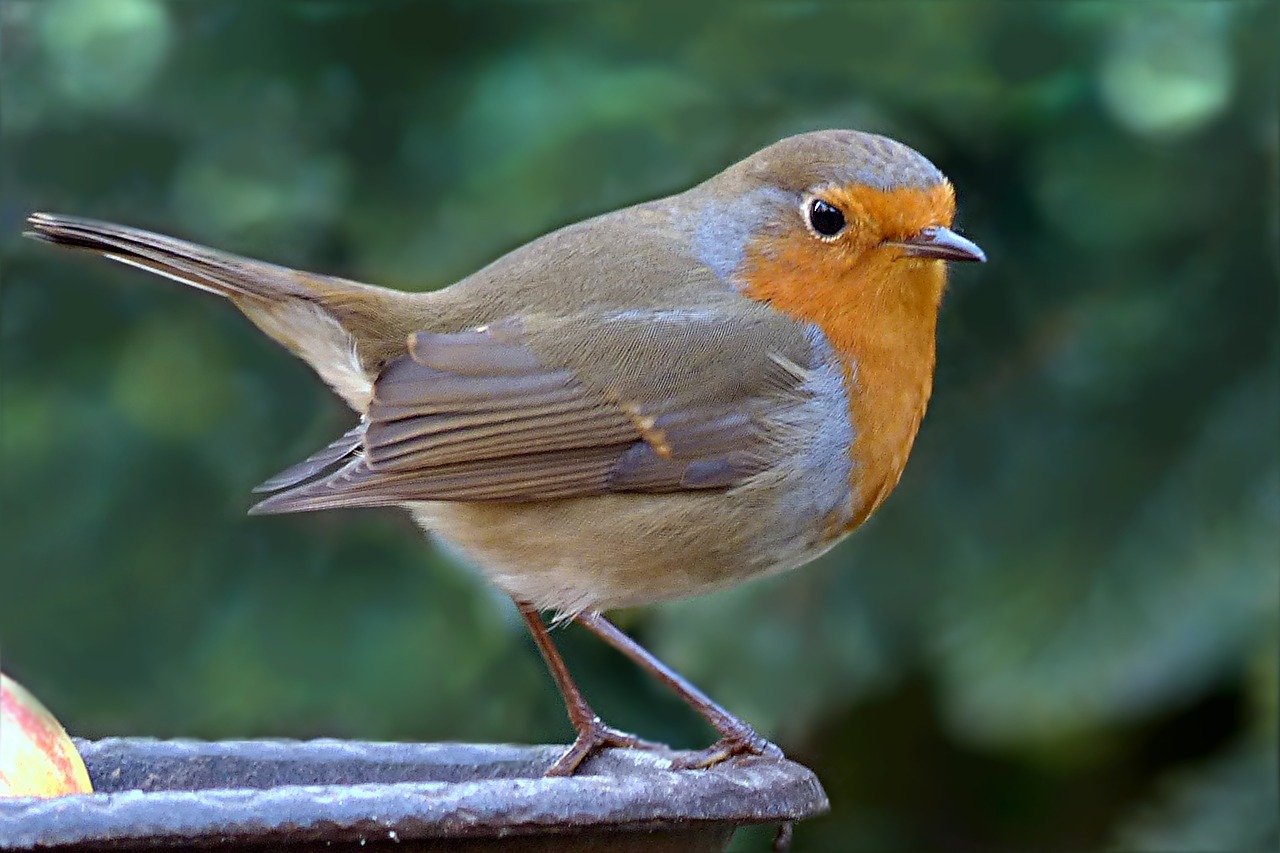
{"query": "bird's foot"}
[(594, 736), (741, 742)]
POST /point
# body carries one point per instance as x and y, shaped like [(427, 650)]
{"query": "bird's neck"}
[(880, 318)]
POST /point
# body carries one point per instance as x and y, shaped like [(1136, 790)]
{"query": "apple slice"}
[(37, 759)]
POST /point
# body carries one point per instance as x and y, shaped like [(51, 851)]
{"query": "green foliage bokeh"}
[(1060, 632)]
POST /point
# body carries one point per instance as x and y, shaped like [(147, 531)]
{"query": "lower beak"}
[(940, 243)]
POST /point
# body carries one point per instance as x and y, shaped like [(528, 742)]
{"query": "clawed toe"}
[(747, 743), (593, 738), (624, 740)]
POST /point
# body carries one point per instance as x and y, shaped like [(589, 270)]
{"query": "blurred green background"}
[(1061, 633)]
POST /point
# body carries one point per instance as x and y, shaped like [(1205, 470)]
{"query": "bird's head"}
[(837, 228), (849, 232)]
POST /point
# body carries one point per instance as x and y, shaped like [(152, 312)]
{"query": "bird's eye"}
[(825, 218)]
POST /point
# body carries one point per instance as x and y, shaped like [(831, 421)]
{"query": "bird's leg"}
[(593, 734), (736, 737)]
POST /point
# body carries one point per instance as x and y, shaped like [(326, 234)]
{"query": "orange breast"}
[(879, 312)]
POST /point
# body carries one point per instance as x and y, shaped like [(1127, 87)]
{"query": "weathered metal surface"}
[(335, 795)]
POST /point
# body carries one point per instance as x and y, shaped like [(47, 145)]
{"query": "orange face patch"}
[(877, 308), (876, 215)]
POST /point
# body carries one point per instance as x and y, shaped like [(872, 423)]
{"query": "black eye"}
[(825, 218)]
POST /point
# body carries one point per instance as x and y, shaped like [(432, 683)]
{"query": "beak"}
[(940, 243)]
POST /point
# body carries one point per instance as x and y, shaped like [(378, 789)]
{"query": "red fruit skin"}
[(37, 758)]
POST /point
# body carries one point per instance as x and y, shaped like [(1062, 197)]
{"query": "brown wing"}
[(500, 413), (340, 448)]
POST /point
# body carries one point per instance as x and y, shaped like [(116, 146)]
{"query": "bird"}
[(655, 403)]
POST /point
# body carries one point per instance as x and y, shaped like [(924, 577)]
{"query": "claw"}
[(730, 746), (594, 737)]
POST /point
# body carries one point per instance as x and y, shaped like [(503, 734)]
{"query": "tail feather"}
[(189, 263), (343, 329)]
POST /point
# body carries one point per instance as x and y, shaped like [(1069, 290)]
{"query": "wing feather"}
[(338, 449), (490, 414)]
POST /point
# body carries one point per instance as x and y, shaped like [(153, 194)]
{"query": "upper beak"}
[(941, 243)]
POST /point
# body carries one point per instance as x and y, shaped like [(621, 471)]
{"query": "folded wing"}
[(540, 408)]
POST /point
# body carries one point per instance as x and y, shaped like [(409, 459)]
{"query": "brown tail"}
[(198, 266), (343, 329)]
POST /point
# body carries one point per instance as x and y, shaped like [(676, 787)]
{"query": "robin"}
[(662, 401)]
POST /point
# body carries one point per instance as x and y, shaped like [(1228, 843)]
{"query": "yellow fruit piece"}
[(37, 759)]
